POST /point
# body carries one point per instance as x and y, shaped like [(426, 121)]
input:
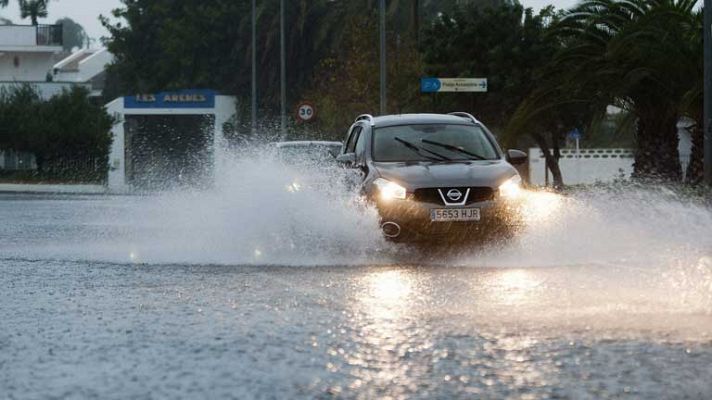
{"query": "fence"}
[(588, 166)]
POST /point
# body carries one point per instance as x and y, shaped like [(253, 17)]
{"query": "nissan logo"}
[(454, 194)]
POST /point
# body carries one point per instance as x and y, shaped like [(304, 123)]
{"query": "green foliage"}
[(33, 9), (170, 44), (504, 43), (73, 34), (68, 134), (347, 85), (635, 54)]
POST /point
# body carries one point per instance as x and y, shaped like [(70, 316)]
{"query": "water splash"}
[(262, 210)]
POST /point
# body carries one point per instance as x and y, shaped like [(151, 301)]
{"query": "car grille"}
[(431, 195)]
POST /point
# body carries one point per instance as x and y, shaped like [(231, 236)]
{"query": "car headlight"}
[(389, 190), (511, 188)]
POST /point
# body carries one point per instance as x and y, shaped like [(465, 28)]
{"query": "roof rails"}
[(465, 115), (362, 117)]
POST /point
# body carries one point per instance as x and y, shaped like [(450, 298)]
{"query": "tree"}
[(504, 43), (349, 82), (168, 44), (73, 34), (33, 9), (630, 53), (4, 21), (68, 134)]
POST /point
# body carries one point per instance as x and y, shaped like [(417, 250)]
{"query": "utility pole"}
[(254, 68), (283, 70), (384, 81), (708, 90)]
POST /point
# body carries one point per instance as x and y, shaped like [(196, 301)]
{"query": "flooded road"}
[(155, 297)]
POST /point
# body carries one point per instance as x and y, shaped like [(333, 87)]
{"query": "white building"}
[(165, 139), (34, 54)]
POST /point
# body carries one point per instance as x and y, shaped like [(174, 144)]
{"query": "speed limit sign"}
[(306, 112)]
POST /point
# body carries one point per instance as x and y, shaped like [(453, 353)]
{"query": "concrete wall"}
[(48, 89), (18, 35), (601, 165), (32, 66), (593, 165)]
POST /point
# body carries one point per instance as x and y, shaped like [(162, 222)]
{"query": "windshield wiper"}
[(453, 148), (420, 150)]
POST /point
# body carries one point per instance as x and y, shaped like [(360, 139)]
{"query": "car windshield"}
[(432, 142)]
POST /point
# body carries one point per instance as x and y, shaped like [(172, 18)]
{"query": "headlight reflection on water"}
[(388, 294), (516, 286), (384, 302)]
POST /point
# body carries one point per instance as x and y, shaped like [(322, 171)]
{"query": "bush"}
[(69, 135)]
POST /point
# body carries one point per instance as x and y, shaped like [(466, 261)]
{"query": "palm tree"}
[(630, 53), (3, 4), (33, 9)]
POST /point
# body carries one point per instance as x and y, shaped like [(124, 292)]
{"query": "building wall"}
[(18, 35), (31, 66)]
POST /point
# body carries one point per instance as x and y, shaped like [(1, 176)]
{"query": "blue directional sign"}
[(434, 85), (430, 85), (574, 134)]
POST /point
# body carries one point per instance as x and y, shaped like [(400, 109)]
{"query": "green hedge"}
[(69, 134)]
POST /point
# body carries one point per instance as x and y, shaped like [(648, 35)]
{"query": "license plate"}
[(455, 214)]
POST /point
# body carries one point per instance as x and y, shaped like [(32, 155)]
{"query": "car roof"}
[(307, 143), (405, 119)]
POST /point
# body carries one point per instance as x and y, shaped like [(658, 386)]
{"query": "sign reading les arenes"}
[(198, 98)]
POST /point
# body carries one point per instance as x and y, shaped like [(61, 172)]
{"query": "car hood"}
[(416, 175)]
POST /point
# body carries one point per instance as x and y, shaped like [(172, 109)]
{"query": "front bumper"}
[(497, 216)]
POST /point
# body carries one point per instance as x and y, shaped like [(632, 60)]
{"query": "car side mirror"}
[(347, 159), (516, 157)]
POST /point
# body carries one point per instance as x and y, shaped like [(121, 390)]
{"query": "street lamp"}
[(708, 91), (283, 71), (382, 11), (254, 68)]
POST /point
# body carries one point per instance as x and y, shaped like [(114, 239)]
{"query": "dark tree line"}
[(548, 72)]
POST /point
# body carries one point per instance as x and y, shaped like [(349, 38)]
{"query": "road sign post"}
[(306, 112), (575, 134), (382, 67)]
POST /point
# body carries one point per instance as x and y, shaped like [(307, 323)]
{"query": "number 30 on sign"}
[(306, 112)]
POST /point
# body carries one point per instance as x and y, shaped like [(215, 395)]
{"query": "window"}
[(432, 142), (351, 145), (360, 145)]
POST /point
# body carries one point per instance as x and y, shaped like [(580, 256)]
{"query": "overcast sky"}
[(87, 12)]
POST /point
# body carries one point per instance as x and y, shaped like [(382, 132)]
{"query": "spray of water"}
[(261, 210), (264, 209), (616, 258)]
